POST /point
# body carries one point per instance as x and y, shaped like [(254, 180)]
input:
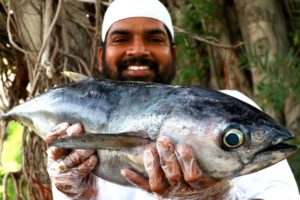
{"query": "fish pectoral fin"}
[(101, 141), (74, 76)]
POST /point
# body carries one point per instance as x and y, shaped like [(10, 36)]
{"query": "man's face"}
[(138, 49)]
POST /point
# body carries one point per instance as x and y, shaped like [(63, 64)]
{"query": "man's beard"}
[(135, 61)]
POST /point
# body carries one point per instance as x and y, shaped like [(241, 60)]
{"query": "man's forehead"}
[(138, 23)]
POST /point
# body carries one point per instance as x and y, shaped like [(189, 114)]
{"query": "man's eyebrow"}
[(149, 32), (119, 32), (155, 31)]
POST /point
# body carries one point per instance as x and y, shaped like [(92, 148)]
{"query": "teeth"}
[(133, 67)]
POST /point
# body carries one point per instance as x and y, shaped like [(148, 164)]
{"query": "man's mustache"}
[(138, 61)]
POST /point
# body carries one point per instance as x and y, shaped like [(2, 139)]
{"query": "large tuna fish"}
[(229, 137)]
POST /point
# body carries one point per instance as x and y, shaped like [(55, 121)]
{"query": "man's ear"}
[(174, 51), (99, 55)]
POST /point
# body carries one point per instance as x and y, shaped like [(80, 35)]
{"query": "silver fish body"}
[(229, 137)]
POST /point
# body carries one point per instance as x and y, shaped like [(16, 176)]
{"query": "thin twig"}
[(36, 78), (64, 33), (208, 39), (97, 36), (15, 182), (55, 49), (4, 185), (10, 35), (94, 1), (88, 28), (80, 60), (47, 36), (37, 70), (5, 89), (46, 25)]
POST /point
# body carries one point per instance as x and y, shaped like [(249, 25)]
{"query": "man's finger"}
[(190, 168), (168, 160), (84, 168), (59, 131), (57, 153), (56, 132), (136, 179), (75, 129), (154, 170), (77, 157)]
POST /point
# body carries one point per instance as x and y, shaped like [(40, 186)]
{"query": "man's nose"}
[(138, 48)]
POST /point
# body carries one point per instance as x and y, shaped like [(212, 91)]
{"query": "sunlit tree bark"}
[(264, 31), (265, 35)]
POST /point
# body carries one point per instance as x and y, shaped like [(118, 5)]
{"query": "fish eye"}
[(233, 138)]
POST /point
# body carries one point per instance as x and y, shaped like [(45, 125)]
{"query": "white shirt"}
[(273, 183)]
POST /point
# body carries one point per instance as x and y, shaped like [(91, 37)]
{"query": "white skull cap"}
[(123, 9)]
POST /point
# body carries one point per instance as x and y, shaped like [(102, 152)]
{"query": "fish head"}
[(235, 139), (232, 149), (252, 147)]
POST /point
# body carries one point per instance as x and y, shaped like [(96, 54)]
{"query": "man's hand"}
[(69, 170), (172, 170)]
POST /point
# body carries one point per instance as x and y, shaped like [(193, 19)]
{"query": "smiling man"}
[(137, 49), (138, 45)]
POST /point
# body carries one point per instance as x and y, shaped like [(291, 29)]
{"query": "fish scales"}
[(229, 137)]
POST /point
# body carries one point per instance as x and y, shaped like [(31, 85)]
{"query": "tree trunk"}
[(224, 70), (54, 36), (27, 21), (265, 35)]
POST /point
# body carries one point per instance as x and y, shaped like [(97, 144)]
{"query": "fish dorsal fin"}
[(74, 76), (101, 141)]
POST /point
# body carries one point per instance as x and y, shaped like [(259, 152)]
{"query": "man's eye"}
[(120, 40), (156, 40)]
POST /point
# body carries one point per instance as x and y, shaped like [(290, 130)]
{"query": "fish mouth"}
[(281, 147), (279, 143), (274, 154), (268, 157)]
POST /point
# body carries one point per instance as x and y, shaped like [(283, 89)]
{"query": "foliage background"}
[(216, 49)]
